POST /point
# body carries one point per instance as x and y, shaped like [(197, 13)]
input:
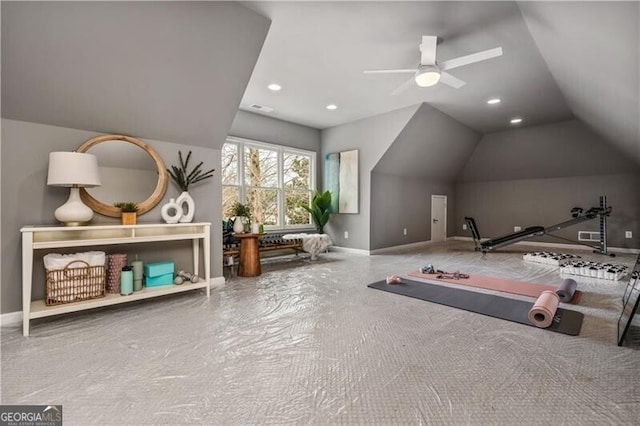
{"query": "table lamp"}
[(73, 170)]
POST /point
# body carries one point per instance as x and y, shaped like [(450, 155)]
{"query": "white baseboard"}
[(400, 247), (349, 250), (217, 282), (559, 245), (15, 318), (11, 319)]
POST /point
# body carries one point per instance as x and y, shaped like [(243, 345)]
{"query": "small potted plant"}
[(242, 214), (128, 212)]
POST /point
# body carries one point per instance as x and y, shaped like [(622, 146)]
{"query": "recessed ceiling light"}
[(275, 87), (493, 101), (516, 120), (332, 107)]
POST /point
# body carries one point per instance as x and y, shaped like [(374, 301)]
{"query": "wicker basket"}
[(74, 283)]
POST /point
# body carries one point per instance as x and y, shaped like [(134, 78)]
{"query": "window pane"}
[(295, 214), (297, 171), (230, 194), (260, 167), (230, 164), (264, 205)]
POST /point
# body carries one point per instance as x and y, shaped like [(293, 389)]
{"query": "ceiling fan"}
[(430, 72)]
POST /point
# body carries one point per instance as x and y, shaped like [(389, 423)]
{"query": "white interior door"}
[(438, 218)]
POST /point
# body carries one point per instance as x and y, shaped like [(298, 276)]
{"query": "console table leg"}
[(206, 243), (27, 272), (195, 248)]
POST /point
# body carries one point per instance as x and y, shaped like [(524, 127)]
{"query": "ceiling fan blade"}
[(428, 50), (450, 80), (403, 87), (470, 59), (405, 70)]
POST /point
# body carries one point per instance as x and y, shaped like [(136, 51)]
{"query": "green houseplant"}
[(128, 212), (320, 209)]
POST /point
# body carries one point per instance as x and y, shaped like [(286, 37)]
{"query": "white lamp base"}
[(74, 212)]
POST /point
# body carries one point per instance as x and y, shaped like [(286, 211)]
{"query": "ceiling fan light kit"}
[(430, 72), (427, 75)]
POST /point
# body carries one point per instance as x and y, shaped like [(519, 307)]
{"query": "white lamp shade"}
[(73, 168)]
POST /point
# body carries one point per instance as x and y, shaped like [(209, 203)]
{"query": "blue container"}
[(159, 280), (159, 273), (126, 281), (158, 268)]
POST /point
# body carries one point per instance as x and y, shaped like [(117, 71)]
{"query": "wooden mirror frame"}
[(143, 207)]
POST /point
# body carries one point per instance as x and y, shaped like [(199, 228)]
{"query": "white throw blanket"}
[(60, 261), (311, 243)]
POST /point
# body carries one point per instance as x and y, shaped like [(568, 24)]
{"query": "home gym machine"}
[(579, 216)]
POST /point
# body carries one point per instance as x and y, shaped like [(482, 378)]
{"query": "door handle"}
[(435, 220)]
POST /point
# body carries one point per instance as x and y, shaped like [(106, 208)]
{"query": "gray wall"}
[(498, 206), (372, 137), (535, 175), (172, 71), (432, 146), (566, 148), (266, 129), (424, 160), (27, 200), (405, 202)]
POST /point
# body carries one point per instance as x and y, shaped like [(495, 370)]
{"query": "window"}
[(274, 180)]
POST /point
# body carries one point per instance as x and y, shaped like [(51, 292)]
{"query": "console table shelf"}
[(47, 237)]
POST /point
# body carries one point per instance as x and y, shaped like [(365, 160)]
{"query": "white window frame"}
[(241, 143)]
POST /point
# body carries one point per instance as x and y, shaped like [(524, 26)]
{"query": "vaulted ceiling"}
[(178, 70), (561, 60), (170, 71)]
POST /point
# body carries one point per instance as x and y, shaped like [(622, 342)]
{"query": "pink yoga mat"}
[(498, 284)]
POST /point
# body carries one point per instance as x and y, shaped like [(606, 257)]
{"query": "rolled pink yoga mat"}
[(498, 284), (542, 313)]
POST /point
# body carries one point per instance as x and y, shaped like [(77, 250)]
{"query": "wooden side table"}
[(249, 255)]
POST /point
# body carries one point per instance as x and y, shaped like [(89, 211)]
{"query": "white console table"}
[(52, 237)]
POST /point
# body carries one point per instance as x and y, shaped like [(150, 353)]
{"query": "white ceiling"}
[(318, 50)]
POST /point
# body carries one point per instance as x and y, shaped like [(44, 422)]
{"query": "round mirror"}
[(130, 170)]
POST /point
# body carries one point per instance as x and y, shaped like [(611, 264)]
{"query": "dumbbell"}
[(184, 275)]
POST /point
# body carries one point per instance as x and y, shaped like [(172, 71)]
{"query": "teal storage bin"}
[(159, 280), (159, 273)]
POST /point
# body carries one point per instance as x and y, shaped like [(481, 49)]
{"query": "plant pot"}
[(187, 205), (129, 218), (238, 226)]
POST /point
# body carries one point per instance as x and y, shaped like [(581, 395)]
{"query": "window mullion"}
[(241, 171), (281, 199)]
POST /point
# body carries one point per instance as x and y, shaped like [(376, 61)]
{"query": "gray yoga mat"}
[(566, 290), (565, 321)]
